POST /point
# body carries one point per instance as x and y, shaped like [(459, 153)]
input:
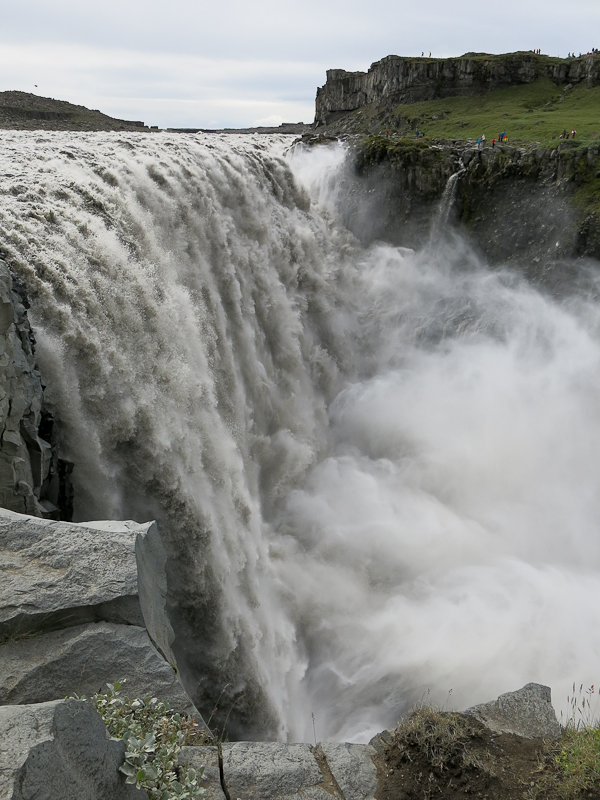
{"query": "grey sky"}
[(188, 63)]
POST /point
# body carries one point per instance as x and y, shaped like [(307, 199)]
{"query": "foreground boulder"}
[(81, 660), (59, 574), (274, 771), (60, 751), (257, 770), (83, 605), (352, 768), (527, 712)]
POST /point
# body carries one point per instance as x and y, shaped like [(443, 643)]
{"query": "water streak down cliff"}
[(395, 79)]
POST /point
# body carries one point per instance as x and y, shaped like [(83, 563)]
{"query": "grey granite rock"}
[(81, 660), (56, 574), (381, 741), (270, 771), (151, 561), (352, 768), (60, 751), (207, 758), (527, 712)]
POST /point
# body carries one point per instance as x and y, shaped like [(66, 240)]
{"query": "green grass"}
[(577, 761), (535, 112), (573, 762)]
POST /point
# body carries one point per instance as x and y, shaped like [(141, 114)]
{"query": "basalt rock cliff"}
[(396, 79), (534, 207), (33, 480)]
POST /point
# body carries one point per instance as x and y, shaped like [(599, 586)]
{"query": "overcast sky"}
[(186, 63)]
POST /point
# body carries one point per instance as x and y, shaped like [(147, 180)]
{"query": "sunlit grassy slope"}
[(535, 112)]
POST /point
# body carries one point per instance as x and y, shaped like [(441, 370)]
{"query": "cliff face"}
[(535, 207), (395, 80), (32, 479)]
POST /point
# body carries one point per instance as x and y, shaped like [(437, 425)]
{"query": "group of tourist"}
[(565, 134), (502, 138), (593, 52)]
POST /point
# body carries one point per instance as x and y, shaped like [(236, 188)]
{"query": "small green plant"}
[(576, 756), (153, 735)]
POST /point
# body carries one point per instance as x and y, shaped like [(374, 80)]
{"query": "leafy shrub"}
[(153, 736)]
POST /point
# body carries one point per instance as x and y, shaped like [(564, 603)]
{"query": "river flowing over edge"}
[(376, 470)]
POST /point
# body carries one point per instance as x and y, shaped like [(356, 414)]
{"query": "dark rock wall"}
[(32, 479), (396, 80), (530, 207)]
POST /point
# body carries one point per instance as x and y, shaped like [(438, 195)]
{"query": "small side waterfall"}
[(448, 197)]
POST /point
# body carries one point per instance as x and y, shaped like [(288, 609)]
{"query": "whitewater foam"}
[(376, 469)]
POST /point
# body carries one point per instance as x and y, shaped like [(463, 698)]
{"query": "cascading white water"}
[(445, 205), (376, 470)]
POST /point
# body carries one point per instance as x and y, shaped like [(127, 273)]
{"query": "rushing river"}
[(376, 470)]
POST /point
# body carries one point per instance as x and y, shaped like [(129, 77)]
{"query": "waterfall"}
[(447, 201), (375, 470)]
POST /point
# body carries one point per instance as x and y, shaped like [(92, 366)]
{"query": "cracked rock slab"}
[(60, 751), (271, 771), (207, 758), (352, 768), (58, 574), (527, 712), (81, 660)]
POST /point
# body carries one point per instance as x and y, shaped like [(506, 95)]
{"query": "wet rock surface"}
[(520, 206), (29, 480)]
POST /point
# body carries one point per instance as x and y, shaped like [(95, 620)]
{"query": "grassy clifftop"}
[(536, 112)]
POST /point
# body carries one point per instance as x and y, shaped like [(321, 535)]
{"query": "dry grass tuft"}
[(443, 737)]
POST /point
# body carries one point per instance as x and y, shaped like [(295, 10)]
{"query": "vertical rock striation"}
[(25, 458)]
